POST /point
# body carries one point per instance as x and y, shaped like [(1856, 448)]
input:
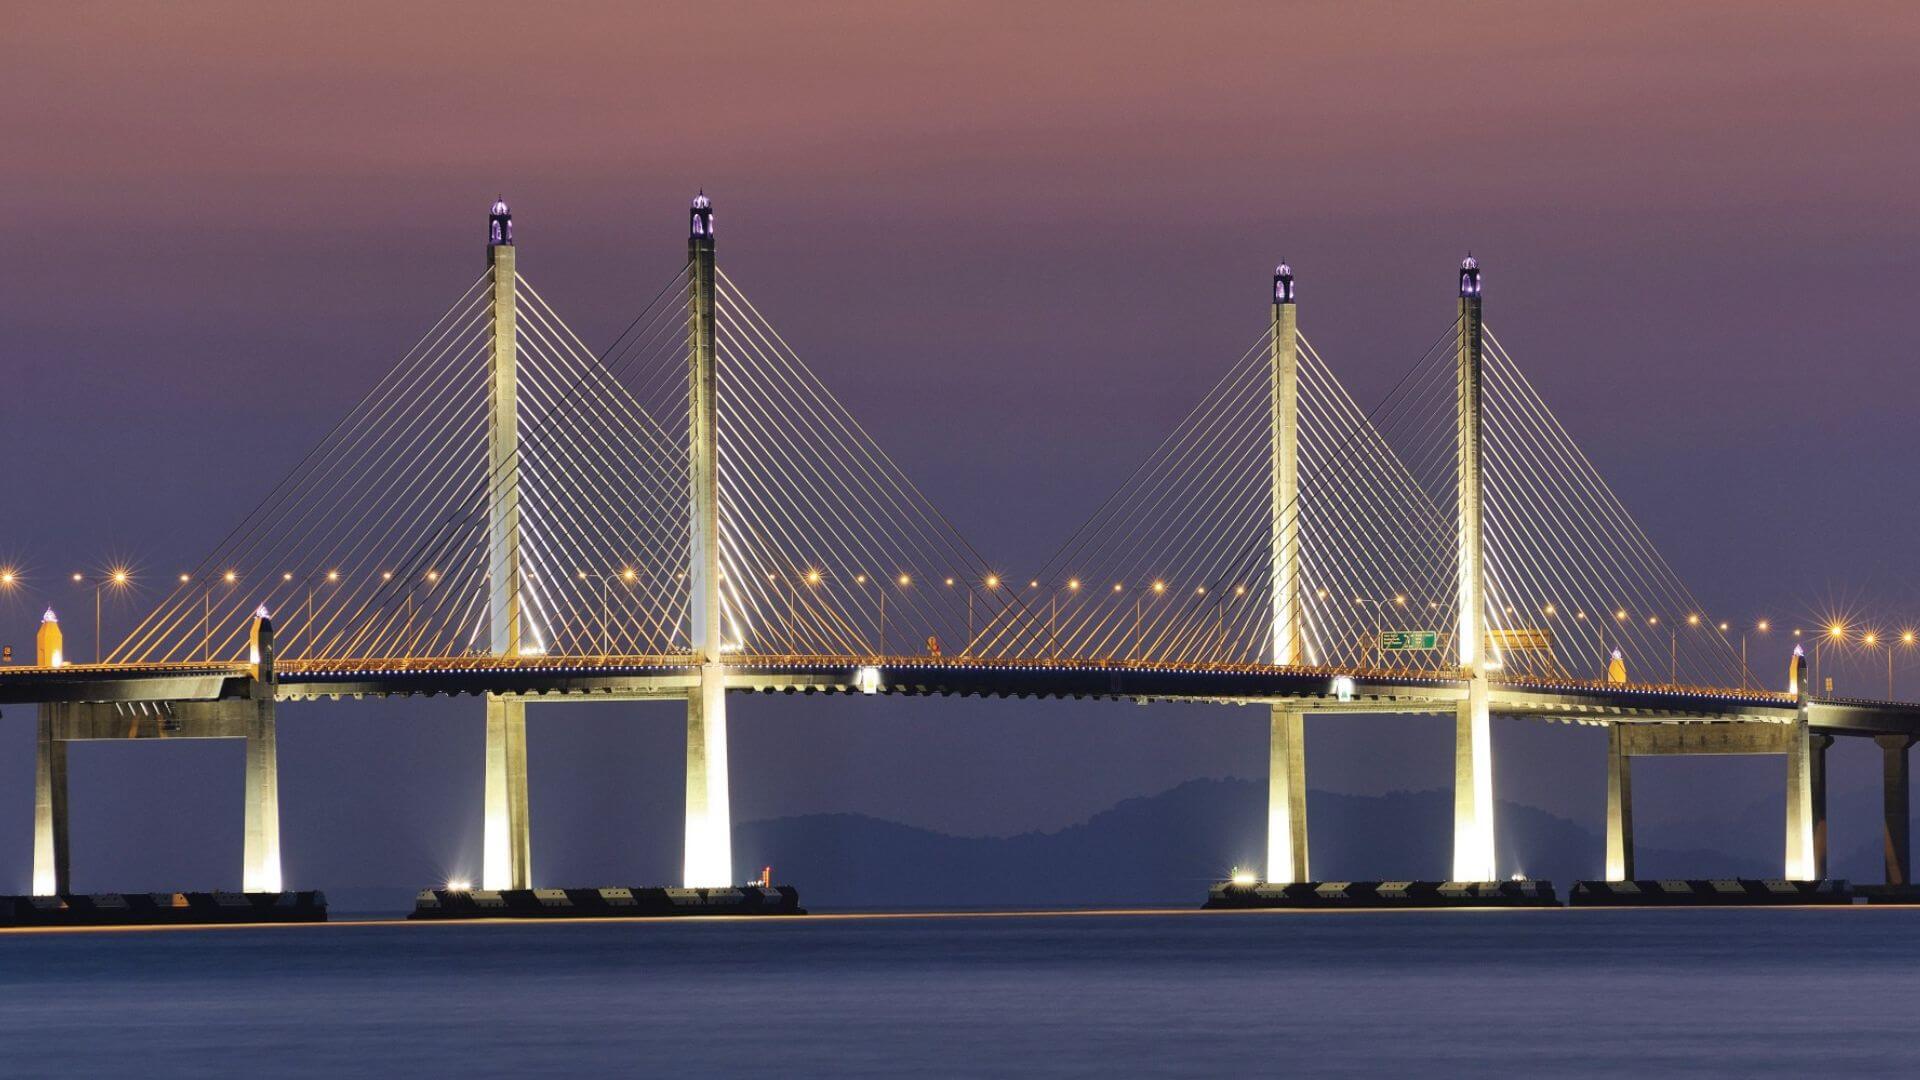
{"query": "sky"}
[(1016, 240)]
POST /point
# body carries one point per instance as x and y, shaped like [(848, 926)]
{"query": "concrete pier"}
[(260, 858), (1895, 808), (506, 844), (1817, 745), (1287, 862), (51, 859), (1801, 864), (1619, 807)]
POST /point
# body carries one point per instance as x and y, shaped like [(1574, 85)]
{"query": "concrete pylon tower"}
[(1286, 765), (1473, 854), (506, 849), (1801, 862), (709, 849), (260, 852), (50, 859), (503, 442)]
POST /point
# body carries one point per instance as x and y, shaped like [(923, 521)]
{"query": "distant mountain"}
[(1166, 849)]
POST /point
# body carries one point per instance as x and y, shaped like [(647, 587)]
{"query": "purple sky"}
[(1016, 241)]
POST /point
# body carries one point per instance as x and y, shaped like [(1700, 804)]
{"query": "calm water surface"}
[(1800, 992)]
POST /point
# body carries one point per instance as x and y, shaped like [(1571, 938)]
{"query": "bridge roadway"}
[(1317, 690)]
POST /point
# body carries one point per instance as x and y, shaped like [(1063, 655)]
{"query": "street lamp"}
[(628, 575), (1053, 616), (1762, 626), (1836, 632), (119, 577)]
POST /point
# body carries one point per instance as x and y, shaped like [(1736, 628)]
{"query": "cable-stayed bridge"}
[(514, 514)]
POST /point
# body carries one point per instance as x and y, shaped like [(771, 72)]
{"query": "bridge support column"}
[(50, 851), (1287, 798), (1894, 807), (1473, 846), (1801, 862), (260, 857), (709, 851), (507, 851), (1619, 807), (1817, 745)]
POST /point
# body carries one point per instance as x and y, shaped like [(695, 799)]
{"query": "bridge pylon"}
[(1803, 860), (709, 840), (506, 846), (1287, 768), (1473, 831)]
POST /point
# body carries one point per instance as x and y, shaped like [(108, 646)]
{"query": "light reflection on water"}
[(1748, 992)]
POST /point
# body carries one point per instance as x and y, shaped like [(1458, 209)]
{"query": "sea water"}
[(1746, 992)]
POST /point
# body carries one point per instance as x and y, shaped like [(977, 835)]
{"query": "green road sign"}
[(1409, 640)]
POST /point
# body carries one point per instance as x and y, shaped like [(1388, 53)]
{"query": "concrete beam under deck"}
[(1720, 737), (91, 684), (77, 722)]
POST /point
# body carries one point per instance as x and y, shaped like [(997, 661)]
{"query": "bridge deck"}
[(1320, 689)]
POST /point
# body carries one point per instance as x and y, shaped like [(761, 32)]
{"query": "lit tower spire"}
[(709, 842), (1473, 851), (50, 648)]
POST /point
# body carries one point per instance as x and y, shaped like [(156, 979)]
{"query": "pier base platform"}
[(1716, 892), (1383, 894), (163, 909), (615, 903)]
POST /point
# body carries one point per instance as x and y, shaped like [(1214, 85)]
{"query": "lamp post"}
[(9, 578), (1053, 615), (1907, 638), (628, 575), (1761, 626), (119, 577), (1871, 640), (1836, 633)]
